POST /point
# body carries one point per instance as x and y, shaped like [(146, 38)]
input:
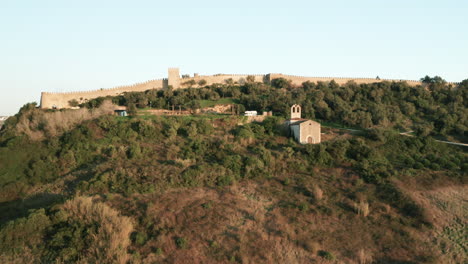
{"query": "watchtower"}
[(173, 78), (295, 111)]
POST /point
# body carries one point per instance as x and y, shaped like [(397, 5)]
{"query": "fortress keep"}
[(174, 80)]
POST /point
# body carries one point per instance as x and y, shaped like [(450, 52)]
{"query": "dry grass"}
[(317, 192), (236, 226), (364, 257), (362, 208), (25, 257), (447, 209), (110, 242), (312, 246), (39, 124)]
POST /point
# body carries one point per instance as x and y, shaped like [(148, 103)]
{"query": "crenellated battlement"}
[(108, 89), (62, 100)]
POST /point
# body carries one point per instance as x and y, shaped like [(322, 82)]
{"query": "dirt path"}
[(407, 133)]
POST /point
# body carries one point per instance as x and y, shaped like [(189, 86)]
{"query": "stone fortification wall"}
[(298, 80), (295, 80), (61, 100), (173, 77), (221, 78)]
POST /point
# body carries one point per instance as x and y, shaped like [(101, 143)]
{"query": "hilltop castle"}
[(62, 100)]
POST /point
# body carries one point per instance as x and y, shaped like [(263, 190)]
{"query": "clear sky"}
[(57, 45)]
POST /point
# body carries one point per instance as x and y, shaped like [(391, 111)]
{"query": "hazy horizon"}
[(58, 47)]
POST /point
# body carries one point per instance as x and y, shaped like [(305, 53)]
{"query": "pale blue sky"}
[(53, 45)]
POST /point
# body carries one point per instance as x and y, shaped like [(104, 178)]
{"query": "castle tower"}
[(295, 111), (173, 78)]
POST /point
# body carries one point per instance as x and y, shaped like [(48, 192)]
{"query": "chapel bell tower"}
[(295, 111)]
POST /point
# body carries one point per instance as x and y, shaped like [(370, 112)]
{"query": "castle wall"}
[(61, 100), (298, 80), (221, 78), (295, 80)]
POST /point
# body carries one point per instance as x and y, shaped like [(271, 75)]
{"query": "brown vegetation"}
[(364, 257), (447, 210), (238, 222), (318, 193), (362, 208), (110, 241), (38, 123)]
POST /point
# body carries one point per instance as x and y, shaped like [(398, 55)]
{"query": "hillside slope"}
[(210, 189)]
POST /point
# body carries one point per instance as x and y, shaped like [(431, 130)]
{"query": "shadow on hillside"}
[(19, 208)]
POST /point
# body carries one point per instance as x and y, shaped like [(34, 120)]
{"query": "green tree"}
[(202, 82), (132, 110), (280, 83)]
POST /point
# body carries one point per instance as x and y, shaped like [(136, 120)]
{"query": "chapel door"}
[(310, 140)]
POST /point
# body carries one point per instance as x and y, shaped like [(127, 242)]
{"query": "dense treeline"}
[(434, 108)]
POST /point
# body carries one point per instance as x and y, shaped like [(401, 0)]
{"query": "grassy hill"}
[(205, 189)]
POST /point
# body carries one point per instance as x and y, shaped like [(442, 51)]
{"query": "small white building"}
[(250, 113), (304, 131)]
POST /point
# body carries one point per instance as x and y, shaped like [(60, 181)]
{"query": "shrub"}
[(270, 125), (38, 124), (73, 103), (377, 134), (303, 207), (234, 163), (326, 255), (202, 82), (281, 83), (140, 238), (312, 246), (204, 127), (191, 176), (134, 151), (24, 233), (224, 180), (245, 132), (181, 242), (106, 232), (207, 205), (158, 251), (189, 83)]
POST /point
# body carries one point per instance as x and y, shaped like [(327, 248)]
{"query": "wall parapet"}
[(109, 89)]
